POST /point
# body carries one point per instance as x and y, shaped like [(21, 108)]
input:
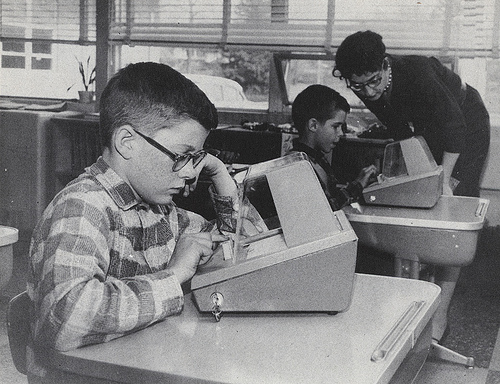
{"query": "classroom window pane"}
[(492, 96), (40, 63), (300, 73), (40, 47), (13, 61), (231, 78), (12, 46)]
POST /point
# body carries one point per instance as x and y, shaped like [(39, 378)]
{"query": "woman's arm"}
[(449, 161)]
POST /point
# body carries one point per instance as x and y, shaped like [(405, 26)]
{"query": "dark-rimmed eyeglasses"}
[(342, 126), (373, 83), (179, 160)]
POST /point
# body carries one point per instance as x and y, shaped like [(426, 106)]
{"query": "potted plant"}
[(88, 78)]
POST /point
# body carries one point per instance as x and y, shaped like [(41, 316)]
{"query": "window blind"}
[(57, 21), (460, 27)]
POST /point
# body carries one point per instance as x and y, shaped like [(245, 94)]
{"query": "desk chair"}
[(18, 329), (412, 268)]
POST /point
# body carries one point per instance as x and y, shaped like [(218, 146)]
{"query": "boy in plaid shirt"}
[(112, 250)]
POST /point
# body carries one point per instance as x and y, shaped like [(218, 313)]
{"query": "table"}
[(445, 234), (269, 348)]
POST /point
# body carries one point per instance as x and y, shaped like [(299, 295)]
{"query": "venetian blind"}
[(466, 27), (57, 21)]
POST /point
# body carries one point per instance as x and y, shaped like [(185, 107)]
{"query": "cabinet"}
[(251, 146), (24, 168), (76, 144), (24, 174)]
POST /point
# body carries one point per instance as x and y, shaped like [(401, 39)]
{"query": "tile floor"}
[(474, 320), (474, 316)]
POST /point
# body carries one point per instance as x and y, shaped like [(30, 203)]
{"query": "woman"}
[(416, 95)]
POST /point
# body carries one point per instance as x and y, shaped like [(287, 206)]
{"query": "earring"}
[(385, 64)]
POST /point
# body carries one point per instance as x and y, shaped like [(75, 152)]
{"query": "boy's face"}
[(328, 134), (151, 174)]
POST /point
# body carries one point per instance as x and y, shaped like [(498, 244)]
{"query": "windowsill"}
[(32, 100), (48, 105)]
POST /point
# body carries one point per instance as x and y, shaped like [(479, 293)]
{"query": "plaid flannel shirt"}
[(98, 259)]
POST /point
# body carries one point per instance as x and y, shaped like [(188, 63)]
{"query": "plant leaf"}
[(92, 76), (82, 72)]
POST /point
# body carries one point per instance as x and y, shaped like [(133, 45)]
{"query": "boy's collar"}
[(303, 147), (121, 193)]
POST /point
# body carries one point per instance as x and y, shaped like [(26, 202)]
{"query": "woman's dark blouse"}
[(426, 98)]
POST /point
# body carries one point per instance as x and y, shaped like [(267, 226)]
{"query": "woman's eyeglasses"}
[(179, 160), (373, 83)]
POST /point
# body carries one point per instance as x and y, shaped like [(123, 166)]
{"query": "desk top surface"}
[(268, 348), (450, 212)]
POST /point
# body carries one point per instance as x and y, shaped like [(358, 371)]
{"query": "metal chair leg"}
[(406, 268), (437, 350), (398, 267), (443, 353), (414, 270)]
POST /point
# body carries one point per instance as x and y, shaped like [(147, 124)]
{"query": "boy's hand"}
[(190, 186), (216, 170), (190, 248), (447, 191), (365, 175)]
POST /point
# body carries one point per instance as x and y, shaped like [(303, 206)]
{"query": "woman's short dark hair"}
[(319, 102), (150, 96), (359, 53)]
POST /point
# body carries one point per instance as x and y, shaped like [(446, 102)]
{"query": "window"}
[(300, 71), (9, 61), (210, 32), (232, 39), (231, 78), (492, 93), (13, 52), (13, 47), (434, 26), (39, 42), (40, 63)]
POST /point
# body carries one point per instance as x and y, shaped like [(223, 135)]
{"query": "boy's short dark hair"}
[(360, 53), (150, 96), (319, 102)]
